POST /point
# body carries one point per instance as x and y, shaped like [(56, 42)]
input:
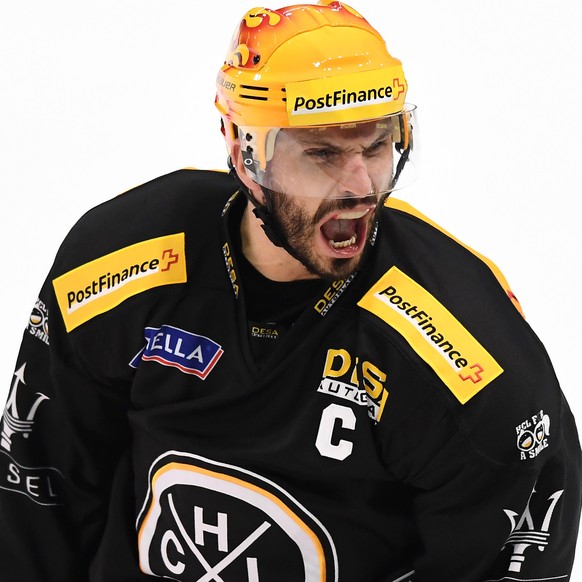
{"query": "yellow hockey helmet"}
[(306, 65)]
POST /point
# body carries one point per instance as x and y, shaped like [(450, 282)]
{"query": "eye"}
[(377, 147), (322, 154)]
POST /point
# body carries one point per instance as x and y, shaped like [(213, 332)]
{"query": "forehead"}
[(339, 134)]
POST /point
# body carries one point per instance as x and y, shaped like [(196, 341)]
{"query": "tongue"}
[(339, 230)]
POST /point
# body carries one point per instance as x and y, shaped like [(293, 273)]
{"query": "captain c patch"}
[(433, 332)]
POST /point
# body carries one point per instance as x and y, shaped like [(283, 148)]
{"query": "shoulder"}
[(451, 312), (428, 242), (145, 239), (176, 201)]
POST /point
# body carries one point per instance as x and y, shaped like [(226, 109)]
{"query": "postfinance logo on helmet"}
[(345, 98)]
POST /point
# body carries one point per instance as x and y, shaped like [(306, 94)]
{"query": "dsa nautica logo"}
[(524, 533), (13, 421)]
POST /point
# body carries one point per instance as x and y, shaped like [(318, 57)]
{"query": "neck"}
[(273, 262)]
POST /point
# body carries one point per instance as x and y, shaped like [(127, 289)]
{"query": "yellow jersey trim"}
[(405, 207)]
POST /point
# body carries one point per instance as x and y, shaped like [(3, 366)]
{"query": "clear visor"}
[(341, 161)]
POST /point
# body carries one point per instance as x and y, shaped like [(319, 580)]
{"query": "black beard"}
[(294, 226)]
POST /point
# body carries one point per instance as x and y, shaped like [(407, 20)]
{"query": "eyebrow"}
[(312, 139), (315, 141)]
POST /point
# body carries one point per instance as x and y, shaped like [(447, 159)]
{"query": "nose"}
[(354, 178)]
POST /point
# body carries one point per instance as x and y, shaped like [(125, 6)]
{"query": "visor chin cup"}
[(341, 161)]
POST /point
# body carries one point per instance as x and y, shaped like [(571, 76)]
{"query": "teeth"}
[(344, 243), (352, 215)]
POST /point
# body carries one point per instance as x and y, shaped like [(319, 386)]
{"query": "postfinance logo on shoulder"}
[(433, 332), (98, 286)]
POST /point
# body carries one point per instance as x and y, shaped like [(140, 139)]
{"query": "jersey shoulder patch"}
[(102, 284), (433, 332)]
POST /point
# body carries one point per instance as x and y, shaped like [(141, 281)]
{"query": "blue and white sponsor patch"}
[(171, 346)]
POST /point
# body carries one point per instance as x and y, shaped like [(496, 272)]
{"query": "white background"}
[(96, 98)]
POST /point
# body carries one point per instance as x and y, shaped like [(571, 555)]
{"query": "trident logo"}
[(524, 534), (11, 421)]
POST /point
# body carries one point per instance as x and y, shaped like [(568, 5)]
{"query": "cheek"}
[(302, 183), (300, 216), (301, 207)]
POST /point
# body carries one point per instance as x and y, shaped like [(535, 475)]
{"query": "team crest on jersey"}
[(171, 346), (205, 520)]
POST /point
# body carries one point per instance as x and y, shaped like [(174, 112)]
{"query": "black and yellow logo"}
[(433, 332), (104, 283)]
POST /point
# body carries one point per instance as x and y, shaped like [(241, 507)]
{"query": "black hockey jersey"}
[(408, 427)]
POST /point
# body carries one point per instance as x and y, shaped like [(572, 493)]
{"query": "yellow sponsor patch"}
[(433, 332), (104, 283), (346, 98)]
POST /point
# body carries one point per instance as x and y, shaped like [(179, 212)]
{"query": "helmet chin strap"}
[(265, 215), (404, 155)]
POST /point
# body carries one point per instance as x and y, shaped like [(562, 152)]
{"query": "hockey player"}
[(279, 373)]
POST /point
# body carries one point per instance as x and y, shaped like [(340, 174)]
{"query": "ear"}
[(237, 161)]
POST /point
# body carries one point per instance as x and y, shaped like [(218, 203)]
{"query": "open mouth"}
[(345, 228)]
